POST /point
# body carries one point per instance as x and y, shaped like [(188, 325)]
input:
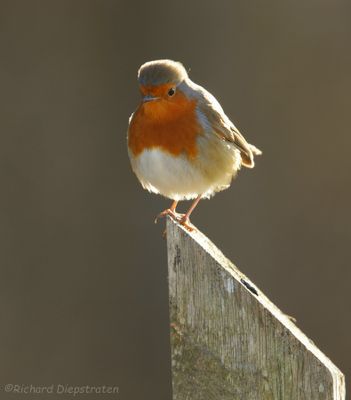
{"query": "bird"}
[(181, 144)]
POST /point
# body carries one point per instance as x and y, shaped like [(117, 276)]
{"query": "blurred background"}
[(83, 273)]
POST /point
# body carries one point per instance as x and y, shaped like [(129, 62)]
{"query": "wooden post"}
[(228, 340)]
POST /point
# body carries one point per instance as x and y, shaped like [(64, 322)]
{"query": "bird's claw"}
[(176, 216), (185, 221), (182, 219)]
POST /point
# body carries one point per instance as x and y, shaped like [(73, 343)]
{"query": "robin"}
[(181, 144)]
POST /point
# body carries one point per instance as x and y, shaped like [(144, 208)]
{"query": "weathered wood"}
[(228, 340)]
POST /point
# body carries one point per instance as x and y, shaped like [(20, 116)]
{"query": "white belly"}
[(178, 178)]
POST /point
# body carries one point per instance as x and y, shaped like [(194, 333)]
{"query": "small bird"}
[(181, 144)]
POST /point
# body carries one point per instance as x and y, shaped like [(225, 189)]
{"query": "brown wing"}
[(221, 125)]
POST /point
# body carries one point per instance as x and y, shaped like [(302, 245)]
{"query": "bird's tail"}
[(248, 160), (255, 150)]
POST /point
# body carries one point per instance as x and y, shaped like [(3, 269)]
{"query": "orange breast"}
[(171, 125)]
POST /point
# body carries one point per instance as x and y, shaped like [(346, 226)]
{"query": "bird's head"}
[(160, 82)]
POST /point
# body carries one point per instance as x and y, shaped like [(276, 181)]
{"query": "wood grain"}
[(228, 341)]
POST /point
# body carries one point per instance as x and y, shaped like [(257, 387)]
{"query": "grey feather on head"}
[(158, 72)]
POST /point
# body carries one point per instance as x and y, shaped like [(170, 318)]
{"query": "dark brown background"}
[(83, 267)]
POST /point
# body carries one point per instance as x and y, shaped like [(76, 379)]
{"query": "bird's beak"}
[(149, 98)]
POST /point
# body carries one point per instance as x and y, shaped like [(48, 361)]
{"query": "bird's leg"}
[(171, 212), (185, 220)]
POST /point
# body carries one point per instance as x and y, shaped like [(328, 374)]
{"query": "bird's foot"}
[(173, 214), (185, 221)]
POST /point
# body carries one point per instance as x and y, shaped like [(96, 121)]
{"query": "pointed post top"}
[(228, 340)]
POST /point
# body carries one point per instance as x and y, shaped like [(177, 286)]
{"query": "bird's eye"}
[(171, 92)]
